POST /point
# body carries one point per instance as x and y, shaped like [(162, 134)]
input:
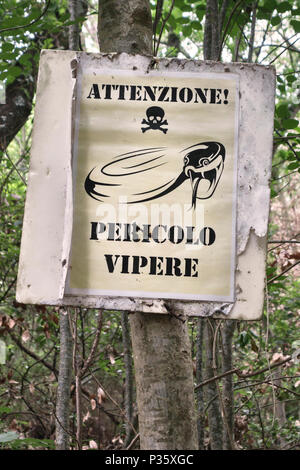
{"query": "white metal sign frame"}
[(47, 229)]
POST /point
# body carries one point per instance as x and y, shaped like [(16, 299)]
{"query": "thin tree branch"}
[(236, 6), (283, 241), (15, 165), (283, 272), (279, 45), (163, 27), (133, 441), (87, 363), (240, 373), (113, 401), (29, 24), (287, 137), (31, 353), (252, 35), (158, 14)]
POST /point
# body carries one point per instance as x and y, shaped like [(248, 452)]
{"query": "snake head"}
[(203, 165)]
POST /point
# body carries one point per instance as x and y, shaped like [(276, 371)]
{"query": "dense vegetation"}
[(266, 376)]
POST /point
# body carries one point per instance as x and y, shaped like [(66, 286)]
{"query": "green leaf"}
[(291, 78), (296, 25), (275, 20), (25, 59), (186, 8), (183, 20), (7, 47), (290, 123), (282, 110), (263, 15), (273, 193), (173, 22), (276, 124), (270, 5), (244, 338), (200, 11), (4, 410), (15, 71), (291, 156), (8, 436), (196, 25), (283, 7), (8, 56), (293, 165)]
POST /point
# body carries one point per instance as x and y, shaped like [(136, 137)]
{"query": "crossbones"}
[(155, 116)]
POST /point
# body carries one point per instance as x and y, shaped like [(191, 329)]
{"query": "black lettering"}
[(127, 233), (190, 236), (218, 97), (151, 92), (191, 267), (172, 264), (96, 229), (207, 236), (135, 93), (146, 233), (213, 95), (107, 91), (164, 91), (94, 93), (122, 89), (114, 231), (138, 262), (125, 263), (135, 230), (179, 235), (185, 95), (110, 264), (174, 90), (155, 263), (202, 96), (155, 233), (226, 92)]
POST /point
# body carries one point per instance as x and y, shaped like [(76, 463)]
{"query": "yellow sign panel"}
[(155, 185)]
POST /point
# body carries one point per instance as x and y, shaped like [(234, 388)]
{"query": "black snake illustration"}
[(201, 162)]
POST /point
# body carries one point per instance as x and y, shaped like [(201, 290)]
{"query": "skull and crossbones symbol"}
[(155, 121)]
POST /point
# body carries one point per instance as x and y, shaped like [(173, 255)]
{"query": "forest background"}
[(256, 405)]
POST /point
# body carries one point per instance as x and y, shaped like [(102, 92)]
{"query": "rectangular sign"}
[(154, 185)]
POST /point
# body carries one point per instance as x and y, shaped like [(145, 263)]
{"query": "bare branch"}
[(29, 24)]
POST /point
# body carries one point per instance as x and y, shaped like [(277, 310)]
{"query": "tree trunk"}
[(161, 348), (18, 103), (164, 381), (125, 26), (64, 382), (128, 399), (211, 393), (211, 42), (227, 335), (199, 379), (65, 362)]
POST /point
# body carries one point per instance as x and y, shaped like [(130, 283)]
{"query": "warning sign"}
[(154, 170)]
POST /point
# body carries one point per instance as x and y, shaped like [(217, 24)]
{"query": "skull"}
[(155, 119), (155, 115)]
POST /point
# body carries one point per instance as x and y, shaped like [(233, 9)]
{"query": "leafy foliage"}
[(28, 380)]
